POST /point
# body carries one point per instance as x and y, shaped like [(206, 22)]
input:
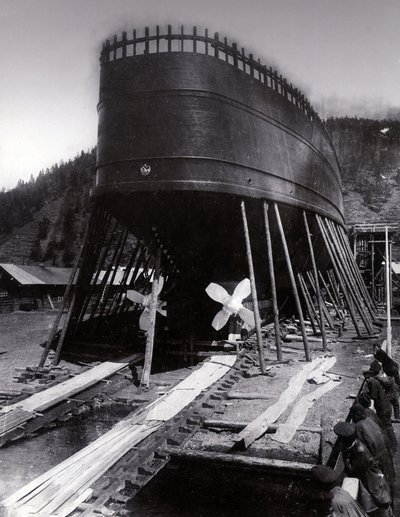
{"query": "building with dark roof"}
[(31, 287)]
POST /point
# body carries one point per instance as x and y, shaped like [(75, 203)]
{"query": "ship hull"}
[(183, 139)]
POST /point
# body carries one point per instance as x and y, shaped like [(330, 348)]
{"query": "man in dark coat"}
[(369, 433), (365, 400), (374, 492), (381, 400), (391, 369), (331, 500)]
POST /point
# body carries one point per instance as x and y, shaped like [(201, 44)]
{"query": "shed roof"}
[(38, 275)]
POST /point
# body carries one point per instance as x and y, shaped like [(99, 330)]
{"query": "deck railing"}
[(135, 45)]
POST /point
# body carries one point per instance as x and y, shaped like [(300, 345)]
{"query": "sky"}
[(343, 54)]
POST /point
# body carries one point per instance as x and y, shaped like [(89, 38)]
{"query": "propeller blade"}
[(242, 290), (160, 285), (217, 292), (247, 316), (144, 320), (162, 309), (220, 319), (134, 296)]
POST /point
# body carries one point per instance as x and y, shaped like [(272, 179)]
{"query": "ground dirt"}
[(21, 334)]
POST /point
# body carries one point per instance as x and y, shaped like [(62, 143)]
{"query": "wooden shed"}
[(31, 287)]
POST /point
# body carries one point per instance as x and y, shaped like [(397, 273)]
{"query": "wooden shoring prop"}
[(335, 288), (93, 267), (309, 304), (144, 261), (148, 358), (66, 299), (331, 297), (124, 281), (250, 264), (348, 264), (316, 286), (271, 269), (98, 221), (346, 246), (110, 280), (64, 331), (323, 305), (349, 280), (293, 282), (388, 266), (139, 261), (91, 231), (336, 268), (98, 289)]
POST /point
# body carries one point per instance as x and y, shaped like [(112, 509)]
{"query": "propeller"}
[(231, 304), (144, 300)]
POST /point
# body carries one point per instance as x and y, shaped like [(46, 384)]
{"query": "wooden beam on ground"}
[(253, 288), (237, 460), (260, 425), (273, 284), (148, 358), (237, 426), (293, 282)]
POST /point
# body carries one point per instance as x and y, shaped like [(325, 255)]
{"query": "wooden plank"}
[(62, 486), (287, 430), (238, 460), (51, 396), (260, 425), (238, 426)]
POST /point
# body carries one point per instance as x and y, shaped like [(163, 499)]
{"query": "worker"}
[(374, 493), (381, 400), (365, 400), (332, 500), (391, 369), (369, 433)]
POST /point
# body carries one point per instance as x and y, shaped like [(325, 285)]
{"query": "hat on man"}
[(364, 399), (345, 429), (375, 367), (357, 412), (325, 476)]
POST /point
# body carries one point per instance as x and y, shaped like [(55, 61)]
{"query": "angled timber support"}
[(273, 283), (148, 358), (253, 288), (316, 281), (293, 282)]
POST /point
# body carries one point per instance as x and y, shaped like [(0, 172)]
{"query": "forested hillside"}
[(369, 155), (43, 220)]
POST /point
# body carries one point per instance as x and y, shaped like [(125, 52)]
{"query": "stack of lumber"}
[(60, 490), (67, 389), (15, 415), (14, 419)]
